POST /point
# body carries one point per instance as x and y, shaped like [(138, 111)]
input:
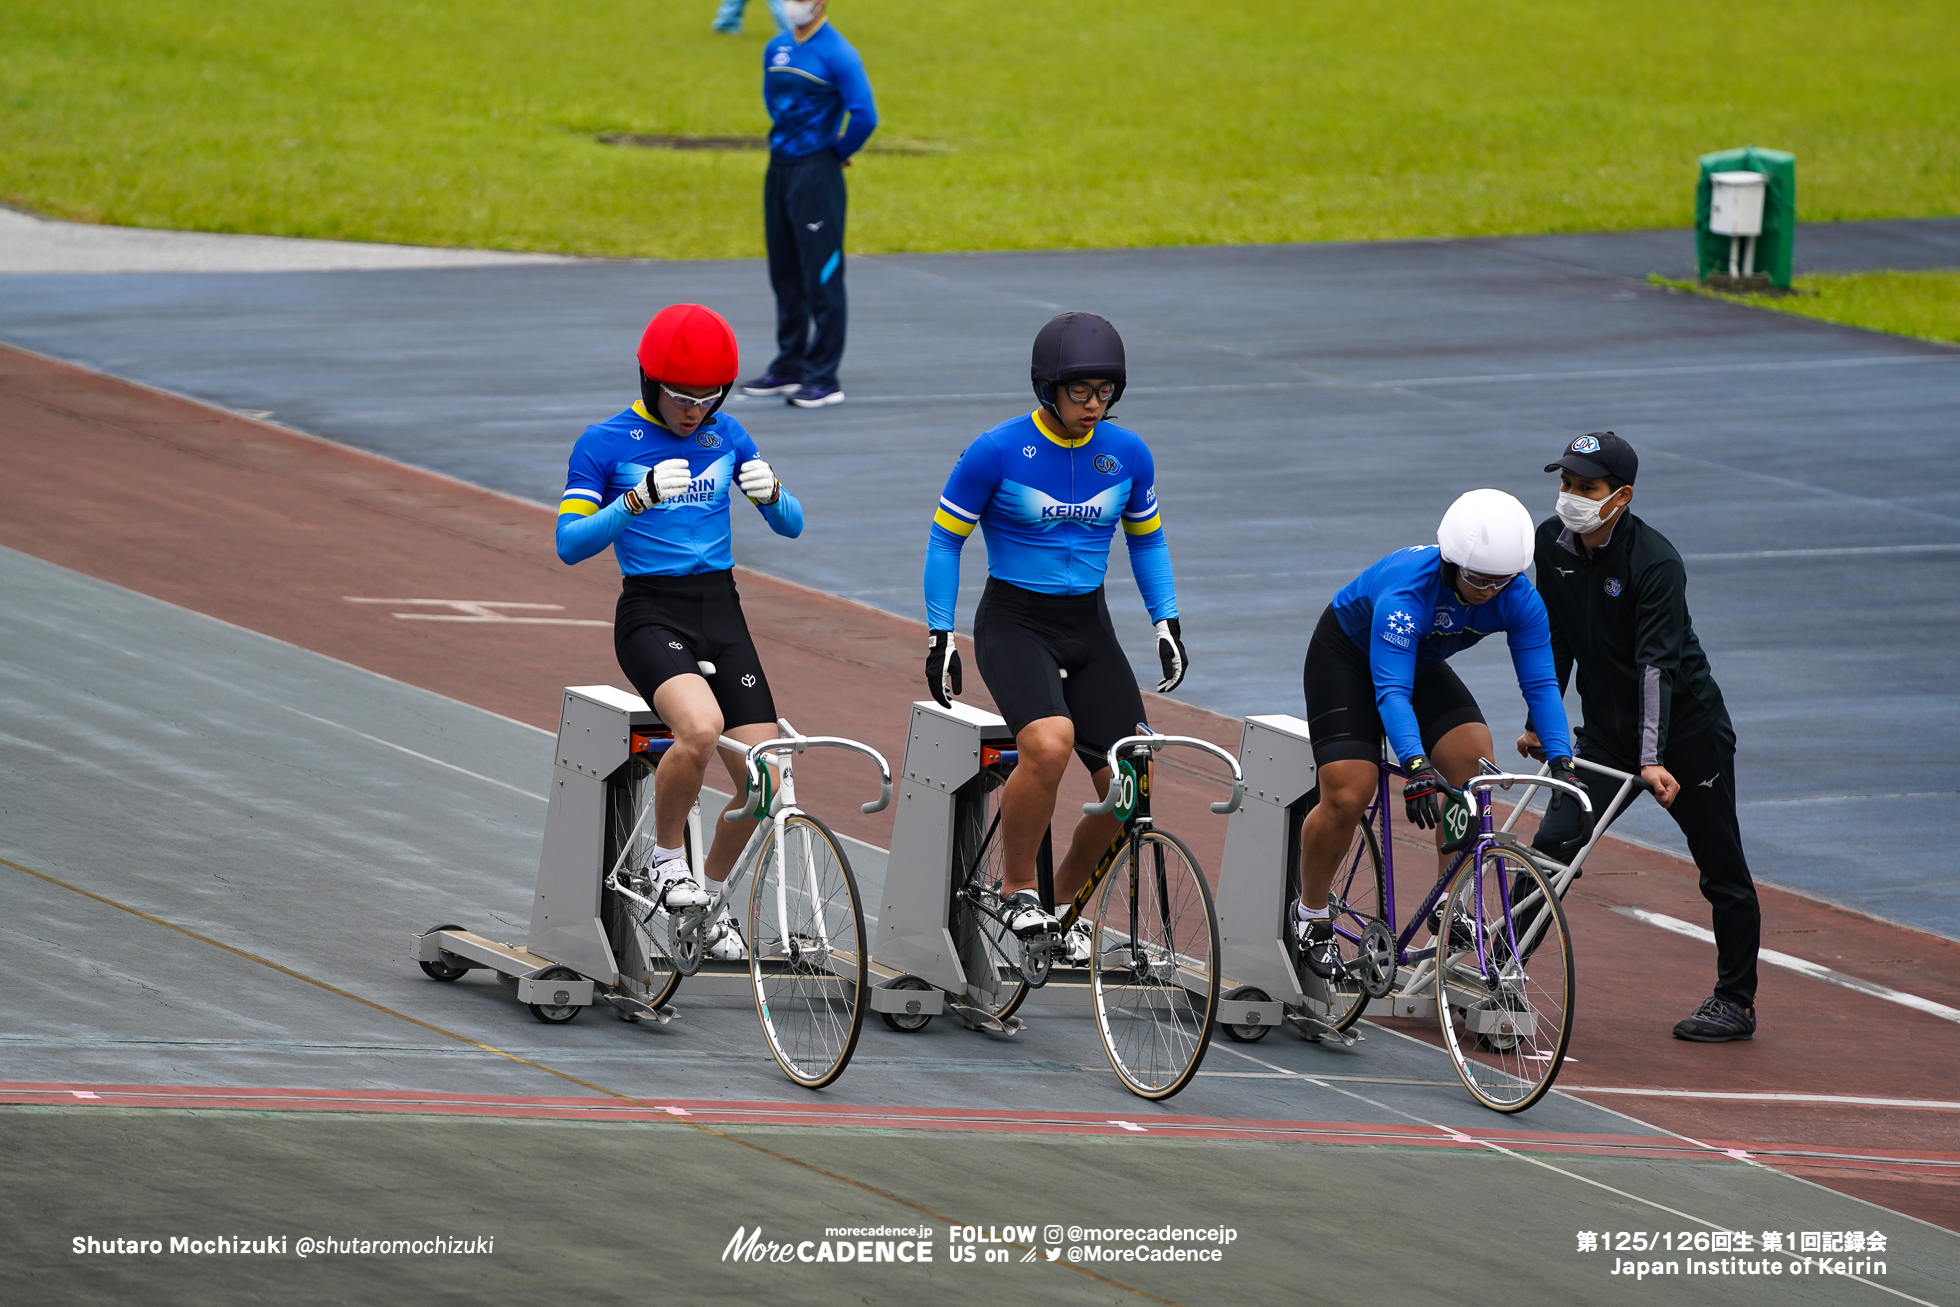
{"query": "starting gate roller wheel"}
[(442, 970), (1246, 1034), (552, 1013), (908, 1022)]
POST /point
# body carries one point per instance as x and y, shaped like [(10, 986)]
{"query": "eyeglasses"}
[(1081, 392), (1485, 584), (693, 401)]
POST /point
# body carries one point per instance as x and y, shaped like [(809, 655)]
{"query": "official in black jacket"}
[(1616, 593)]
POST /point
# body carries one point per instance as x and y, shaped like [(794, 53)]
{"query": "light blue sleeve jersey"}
[(1047, 505), (808, 86), (679, 536), (1407, 620)]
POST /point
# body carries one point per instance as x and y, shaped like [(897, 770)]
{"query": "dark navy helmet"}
[(1076, 347)]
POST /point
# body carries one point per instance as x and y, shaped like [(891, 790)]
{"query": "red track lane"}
[(272, 530)]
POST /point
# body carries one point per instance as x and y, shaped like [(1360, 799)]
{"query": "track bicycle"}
[(1150, 946), (1489, 942), (805, 939)]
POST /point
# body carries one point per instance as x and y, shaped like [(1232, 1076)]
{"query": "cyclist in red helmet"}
[(655, 482)]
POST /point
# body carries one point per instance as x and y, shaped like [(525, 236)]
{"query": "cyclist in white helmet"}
[(1377, 666)]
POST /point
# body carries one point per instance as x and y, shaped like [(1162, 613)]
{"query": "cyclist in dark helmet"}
[(1048, 489)]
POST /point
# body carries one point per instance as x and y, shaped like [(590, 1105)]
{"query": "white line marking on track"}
[(481, 610), (1803, 966), (1678, 370), (1849, 1100), (412, 753), (1824, 553)]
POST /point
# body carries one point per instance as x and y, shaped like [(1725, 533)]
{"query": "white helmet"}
[(1487, 531)]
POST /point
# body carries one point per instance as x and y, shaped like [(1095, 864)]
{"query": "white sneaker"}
[(1024, 914), (677, 888)]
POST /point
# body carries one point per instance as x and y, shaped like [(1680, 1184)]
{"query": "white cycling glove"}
[(758, 481), (663, 481)]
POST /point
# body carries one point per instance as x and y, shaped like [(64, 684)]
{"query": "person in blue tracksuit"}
[(821, 113), (1047, 490), (1377, 666), (656, 482)]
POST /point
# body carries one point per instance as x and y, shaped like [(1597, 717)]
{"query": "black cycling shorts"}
[(666, 625), (1342, 719), (1023, 641)]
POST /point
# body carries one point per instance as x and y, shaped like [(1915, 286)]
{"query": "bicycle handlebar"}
[(1505, 780), (792, 742), (1155, 743)]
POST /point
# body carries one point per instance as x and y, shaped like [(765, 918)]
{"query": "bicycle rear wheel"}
[(807, 959), (1357, 896), (989, 953), (1504, 980), (638, 934), (1153, 973)]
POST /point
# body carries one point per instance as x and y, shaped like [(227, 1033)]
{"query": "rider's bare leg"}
[(688, 708), (1027, 804), (1347, 786)]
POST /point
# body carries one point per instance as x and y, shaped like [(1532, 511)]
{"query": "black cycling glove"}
[(1170, 652), (942, 667), (1420, 796), (1564, 769)]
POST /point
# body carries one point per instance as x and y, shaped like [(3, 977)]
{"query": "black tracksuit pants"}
[(803, 225), (1704, 809)]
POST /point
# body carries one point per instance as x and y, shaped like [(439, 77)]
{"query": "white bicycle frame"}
[(1564, 873), (782, 806)]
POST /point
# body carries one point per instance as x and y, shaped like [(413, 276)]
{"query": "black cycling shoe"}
[(1318, 950), (1717, 1021)]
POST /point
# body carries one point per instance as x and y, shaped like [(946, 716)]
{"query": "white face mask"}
[(1582, 515), (800, 13)]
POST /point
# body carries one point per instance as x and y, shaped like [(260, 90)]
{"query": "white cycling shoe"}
[(1077, 946), (675, 887), (729, 947), (1024, 914)]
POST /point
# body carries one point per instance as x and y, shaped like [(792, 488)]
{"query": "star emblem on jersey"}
[(1613, 586), (1585, 445), (1401, 628), (749, 681)]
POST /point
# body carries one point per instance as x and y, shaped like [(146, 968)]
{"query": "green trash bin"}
[(1772, 251)]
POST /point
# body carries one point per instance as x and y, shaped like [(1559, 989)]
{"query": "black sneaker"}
[(1315, 936), (771, 384), (1717, 1021)]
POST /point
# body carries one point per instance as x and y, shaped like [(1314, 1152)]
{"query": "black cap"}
[(1600, 454)]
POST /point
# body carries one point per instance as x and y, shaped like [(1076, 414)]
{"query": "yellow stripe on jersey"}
[(582, 507), (958, 526), (1064, 440), (1155, 522)]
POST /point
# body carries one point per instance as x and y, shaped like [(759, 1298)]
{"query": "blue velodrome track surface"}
[(1311, 408)]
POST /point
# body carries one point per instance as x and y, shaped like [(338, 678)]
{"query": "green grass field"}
[(1922, 304), (1084, 123)]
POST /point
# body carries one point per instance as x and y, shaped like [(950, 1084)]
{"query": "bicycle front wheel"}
[(1153, 973), (807, 960), (1504, 981)]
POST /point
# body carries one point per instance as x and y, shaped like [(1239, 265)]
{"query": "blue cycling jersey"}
[(679, 536), (1403, 616), (1048, 505), (808, 86)]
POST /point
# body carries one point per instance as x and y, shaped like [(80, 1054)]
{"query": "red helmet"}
[(689, 345)]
